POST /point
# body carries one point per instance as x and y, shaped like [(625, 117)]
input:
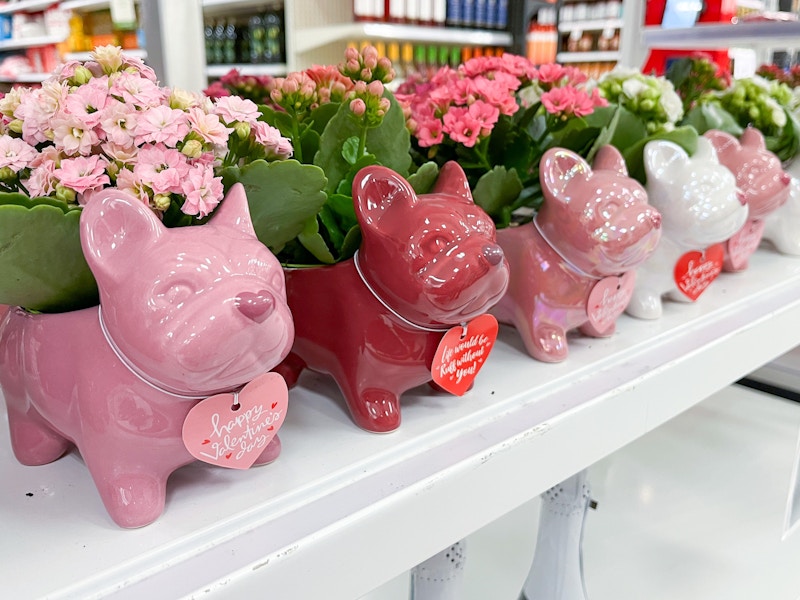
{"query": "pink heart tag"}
[(695, 270), (608, 300), (744, 242), (462, 352), (232, 430)]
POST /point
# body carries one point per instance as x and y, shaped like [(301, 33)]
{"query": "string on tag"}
[(389, 308), (236, 406)]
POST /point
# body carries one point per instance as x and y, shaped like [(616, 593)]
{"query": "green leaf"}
[(42, 266), (389, 142), (346, 185), (629, 130), (309, 144), (332, 228), (350, 150), (321, 115), (351, 243), (314, 242), (422, 181), (341, 205), (605, 136), (496, 189), (283, 197), (685, 136), (711, 115)]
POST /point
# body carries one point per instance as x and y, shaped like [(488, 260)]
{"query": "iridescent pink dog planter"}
[(763, 181), (426, 263), (184, 313), (573, 266)]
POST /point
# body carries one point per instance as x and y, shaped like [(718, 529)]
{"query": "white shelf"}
[(757, 35), (571, 57), (317, 37), (31, 42), (26, 6), (596, 25), (357, 509), (247, 69), (26, 78), (87, 5)]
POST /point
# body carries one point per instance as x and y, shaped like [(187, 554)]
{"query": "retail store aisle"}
[(692, 511)]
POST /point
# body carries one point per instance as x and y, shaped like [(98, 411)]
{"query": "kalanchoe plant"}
[(496, 116), (233, 83), (339, 119), (107, 123)]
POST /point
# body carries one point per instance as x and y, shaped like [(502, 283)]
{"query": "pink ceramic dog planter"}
[(426, 263), (573, 266), (191, 311), (701, 207), (760, 177)]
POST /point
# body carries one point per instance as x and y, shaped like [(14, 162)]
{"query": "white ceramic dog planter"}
[(782, 228), (701, 207)]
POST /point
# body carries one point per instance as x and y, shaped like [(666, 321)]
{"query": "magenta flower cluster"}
[(107, 122), (463, 105)]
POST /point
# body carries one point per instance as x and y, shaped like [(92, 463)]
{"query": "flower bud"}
[(162, 201), (7, 174), (193, 148), (358, 107), (16, 125), (80, 76), (242, 129), (65, 194)]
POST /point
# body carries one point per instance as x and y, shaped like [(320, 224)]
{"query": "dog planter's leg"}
[(557, 569), (440, 577)]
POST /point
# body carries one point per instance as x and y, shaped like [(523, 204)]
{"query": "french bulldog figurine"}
[(184, 313), (573, 266), (701, 207), (425, 264), (761, 178)]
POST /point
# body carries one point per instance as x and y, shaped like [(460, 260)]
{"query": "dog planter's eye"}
[(434, 243), (174, 293)]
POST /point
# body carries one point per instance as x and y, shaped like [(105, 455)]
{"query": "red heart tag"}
[(744, 242), (462, 352), (608, 299), (222, 432), (695, 270)]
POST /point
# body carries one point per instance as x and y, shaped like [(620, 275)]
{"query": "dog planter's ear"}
[(115, 226), (663, 159), (723, 143), (753, 138), (378, 192), (452, 181), (608, 158), (234, 212), (558, 167), (705, 151)]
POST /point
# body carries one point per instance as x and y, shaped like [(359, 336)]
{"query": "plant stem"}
[(362, 141), (296, 145)]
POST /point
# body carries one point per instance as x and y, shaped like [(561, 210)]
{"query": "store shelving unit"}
[(583, 57), (342, 511)]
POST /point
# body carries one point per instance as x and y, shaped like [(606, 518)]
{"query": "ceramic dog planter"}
[(701, 207), (426, 263), (782, 227), (573, 266), (761, 178), (184, 313)]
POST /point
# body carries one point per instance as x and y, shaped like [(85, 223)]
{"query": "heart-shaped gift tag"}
[(462, 352), (695, 270), (608, 300), (232, 430), (744, 242)]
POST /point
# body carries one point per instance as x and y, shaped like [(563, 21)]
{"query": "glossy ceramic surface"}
[(191, 311), (700, 206), (782, 227), (760, 177), (427, 262), (595, 223)]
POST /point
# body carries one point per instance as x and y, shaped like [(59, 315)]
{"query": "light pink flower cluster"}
[(107, 122), (463, 105)]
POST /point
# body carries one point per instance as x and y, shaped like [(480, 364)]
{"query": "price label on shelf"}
[(123, 14)]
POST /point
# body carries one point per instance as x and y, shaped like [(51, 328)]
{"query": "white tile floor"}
[(693, 511)]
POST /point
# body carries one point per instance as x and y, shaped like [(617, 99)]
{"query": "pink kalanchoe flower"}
[(122, 155), (276, 146), (119, 121), (551, 73), (88, 101), (162, 169), (137, 90), (73, 136), (83, 173), (235, 108), (15, 153), (203, 192), (567, 101), (129, 182), (430, 132), (209, 127), (162, 124), (461, 126)]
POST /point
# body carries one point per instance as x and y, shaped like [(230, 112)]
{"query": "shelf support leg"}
[(440, 577), (557, 569)]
